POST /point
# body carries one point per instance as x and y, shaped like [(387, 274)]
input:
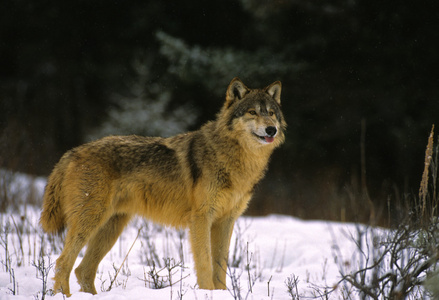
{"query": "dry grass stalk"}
[(364, 190), (126, 256), (423, 190)]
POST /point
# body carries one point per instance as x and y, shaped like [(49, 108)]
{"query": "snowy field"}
[(268, 256)]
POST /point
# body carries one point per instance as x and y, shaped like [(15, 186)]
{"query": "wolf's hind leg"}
[(97, 248), (82, 225), (75, 241)]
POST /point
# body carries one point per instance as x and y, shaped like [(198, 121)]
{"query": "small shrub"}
[(396, 265)]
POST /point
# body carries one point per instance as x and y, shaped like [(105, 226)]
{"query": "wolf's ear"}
[(274, 90), (236, 91)]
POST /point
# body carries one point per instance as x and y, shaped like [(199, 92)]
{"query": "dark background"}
[(356, 74)]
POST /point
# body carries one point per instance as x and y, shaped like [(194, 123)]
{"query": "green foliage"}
[(67, 74), (432, 284), (145, 111), (215, 67)]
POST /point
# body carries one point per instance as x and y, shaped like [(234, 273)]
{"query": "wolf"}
[(202, 180)]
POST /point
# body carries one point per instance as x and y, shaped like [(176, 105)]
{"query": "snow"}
[(266, 251), (279, 247)]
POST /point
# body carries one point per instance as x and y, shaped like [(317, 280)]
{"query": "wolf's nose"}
[(271, 130)]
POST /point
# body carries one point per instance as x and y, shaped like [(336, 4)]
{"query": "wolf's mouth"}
[(265, 138)]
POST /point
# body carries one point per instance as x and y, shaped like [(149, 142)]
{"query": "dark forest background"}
[(360, 87)]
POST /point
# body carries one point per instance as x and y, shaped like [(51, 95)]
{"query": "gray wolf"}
[(202, 180)]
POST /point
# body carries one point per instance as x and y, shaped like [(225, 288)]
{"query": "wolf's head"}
[(254, 116)]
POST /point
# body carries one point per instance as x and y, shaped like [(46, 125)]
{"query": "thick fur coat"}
[(202, 180)]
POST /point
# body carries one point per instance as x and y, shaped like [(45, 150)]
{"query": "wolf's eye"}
[(270, 113), (252, 112)]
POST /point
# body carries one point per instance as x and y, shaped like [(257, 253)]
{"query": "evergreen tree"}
[(145, 110)]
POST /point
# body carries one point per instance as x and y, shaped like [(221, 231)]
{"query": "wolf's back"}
[(52, 217)]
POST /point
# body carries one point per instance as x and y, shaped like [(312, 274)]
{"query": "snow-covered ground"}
[(267, 255), (279, 248)]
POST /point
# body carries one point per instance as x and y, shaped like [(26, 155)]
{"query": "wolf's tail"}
[(52, 217)]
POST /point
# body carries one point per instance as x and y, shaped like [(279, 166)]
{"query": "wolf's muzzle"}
[(271, 131)]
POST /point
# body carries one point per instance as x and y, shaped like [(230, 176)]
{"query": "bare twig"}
[(126, 256)]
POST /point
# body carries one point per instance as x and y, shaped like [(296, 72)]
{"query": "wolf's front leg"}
[(200, 242), (220, 241)]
